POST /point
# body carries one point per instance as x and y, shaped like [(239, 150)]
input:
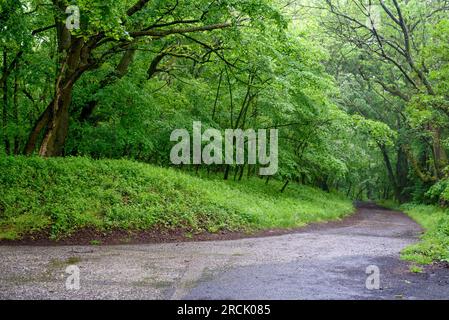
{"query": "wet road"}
[(322, 262)]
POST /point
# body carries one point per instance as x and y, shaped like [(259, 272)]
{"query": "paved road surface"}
[(323, 262)]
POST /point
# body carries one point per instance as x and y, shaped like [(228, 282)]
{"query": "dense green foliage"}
[(391, 63), (358, 91), (118, 90), (63, 195), (434, 244)]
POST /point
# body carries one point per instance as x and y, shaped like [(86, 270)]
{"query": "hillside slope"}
[(62, 195)]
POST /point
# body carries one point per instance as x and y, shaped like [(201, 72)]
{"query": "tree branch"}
[(164, 33)]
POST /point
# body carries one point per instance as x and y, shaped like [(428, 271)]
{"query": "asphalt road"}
[(322, 262)]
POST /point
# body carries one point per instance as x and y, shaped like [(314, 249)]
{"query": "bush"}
[(435, 242)]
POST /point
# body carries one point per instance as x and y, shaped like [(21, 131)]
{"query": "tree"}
[(110, 28)]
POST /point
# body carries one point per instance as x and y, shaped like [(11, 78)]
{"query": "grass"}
[(390, 204), (63, 195), (434, 244), (416, 269)]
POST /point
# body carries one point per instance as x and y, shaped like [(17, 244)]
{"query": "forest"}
[(92, 90)]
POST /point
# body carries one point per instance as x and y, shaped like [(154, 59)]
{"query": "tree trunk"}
[(58, 125), (5, 102), (74, 58), (226, 173), (39, 125), (439, 154), (349, 190), (120, 72), (268, 180), (391, 175), (285, 186), (16, 116), (402, 171), (242, 170)]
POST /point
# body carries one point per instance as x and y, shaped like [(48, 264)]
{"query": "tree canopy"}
[(358, 89)]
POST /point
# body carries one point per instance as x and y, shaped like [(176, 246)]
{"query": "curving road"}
[(326, 261)]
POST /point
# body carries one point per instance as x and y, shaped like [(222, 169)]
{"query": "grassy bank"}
[(66, 194), (434, 244)]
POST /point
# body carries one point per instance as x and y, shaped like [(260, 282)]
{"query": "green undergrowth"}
[(434, 244), (63, 195)]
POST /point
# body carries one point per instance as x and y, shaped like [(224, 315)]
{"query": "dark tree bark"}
[(402, 171), (285, 186), (242, 170), (39, 125), (75, 58), (74, 62), (390, 172), (120, 72), (5, 102), (153, 69), (16, 115), (268, 180)]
